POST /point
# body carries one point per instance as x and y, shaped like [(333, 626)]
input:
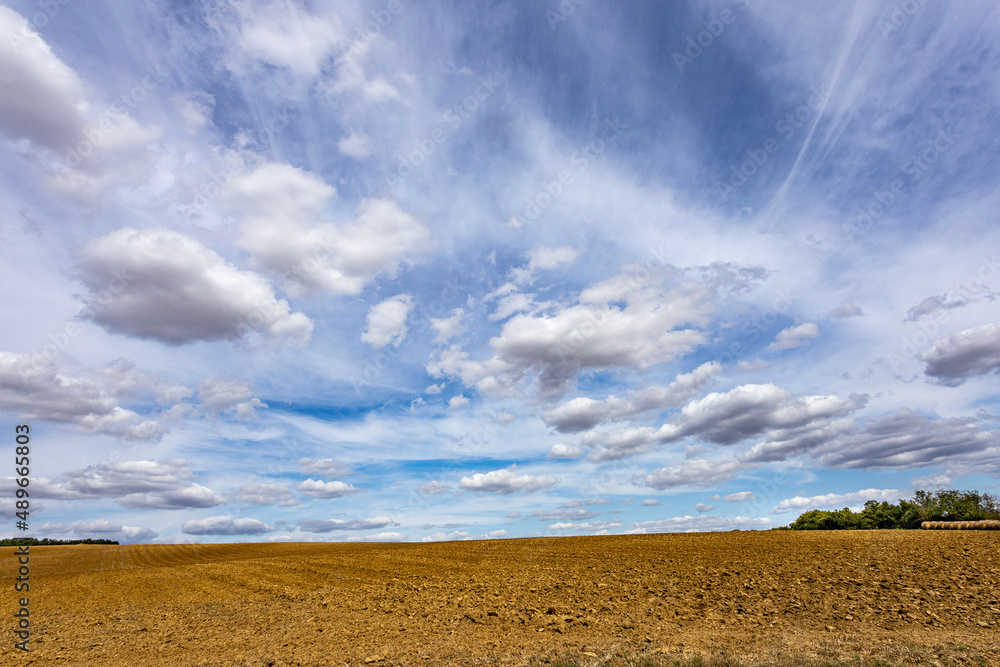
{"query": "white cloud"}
[(218, 396), (145, 484), (434, 389), (263, 494), (506, 481), (446, 537), (701, 508), (185, 497), (432, 488), (41, 99), (156, 283), (745, 366), (586, 526), (793, 337), (564, 514), (351, 76), (698, 472), (790, 423), (225, 525), (565, 450), (195, 107), (955, 359), (651, 502), (628, 321), (582, 413), (282, 33), (750, 410), (700, 524), (38, 388), (384, 536), (321, 467), (387, 321), (449, 327), (838, 500), (281, 207), (551, 258), (330, 525), (100, 529), (846, 309), (740, 497), (356, 145), (907, 440), (320, 489), (542, 258), (456, 402)]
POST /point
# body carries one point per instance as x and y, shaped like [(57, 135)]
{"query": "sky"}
[(294, 270)]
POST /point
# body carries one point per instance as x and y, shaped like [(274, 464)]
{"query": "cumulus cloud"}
[(955, 359), (650, 502), (545, 259), (99, 529), (794, 336), (330, 525), (506, 481), (356, 145), (145, 484), (565, 450), (632, 320), (384, 536), (458, 401), (352, 79), (432, 488), (751, 410), (37, 387), (449, 327), (838, 500), (387, 321), (696, 472), (284, 34), (41, 98), (159, 284), (790, 422), (219, 396), (320, 489), (281, 207), (447, 537), (263, 494), (583, 413), (740, 497), (699, 524), (588, 526), (846, 309), (939, 302), (701, 508), (225, 525), (564, 514), (907, 440), (321, 467)]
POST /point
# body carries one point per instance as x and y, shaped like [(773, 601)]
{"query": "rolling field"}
[(906, 597)]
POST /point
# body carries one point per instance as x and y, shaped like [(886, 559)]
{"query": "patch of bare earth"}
[(748, 598)]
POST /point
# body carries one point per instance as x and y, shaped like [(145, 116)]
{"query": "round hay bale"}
[(925, 525)]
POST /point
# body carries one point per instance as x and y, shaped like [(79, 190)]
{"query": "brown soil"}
[(903, 596)]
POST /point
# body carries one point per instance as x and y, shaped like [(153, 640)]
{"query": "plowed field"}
[(761, 598)]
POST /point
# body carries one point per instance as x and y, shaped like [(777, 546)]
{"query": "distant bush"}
[(950, 505), (31, 541)]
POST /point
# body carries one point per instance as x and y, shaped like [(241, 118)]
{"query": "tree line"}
[(31, 541), (944, 505)]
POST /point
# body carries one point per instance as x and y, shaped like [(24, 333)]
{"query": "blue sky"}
[(384, 271)]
